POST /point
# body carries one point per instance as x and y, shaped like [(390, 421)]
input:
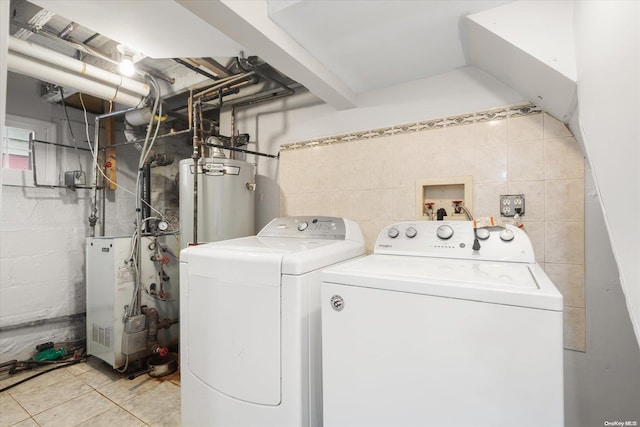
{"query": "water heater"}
[(226, 204)]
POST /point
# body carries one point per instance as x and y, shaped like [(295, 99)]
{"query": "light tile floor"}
[(90, 394)]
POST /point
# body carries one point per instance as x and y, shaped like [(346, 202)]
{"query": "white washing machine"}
[(428, 331), (250, 325)]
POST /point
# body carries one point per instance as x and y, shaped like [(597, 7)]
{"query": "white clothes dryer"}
[(432, 330), (250, 325)]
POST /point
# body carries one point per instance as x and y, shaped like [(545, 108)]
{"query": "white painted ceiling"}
[(375, 44), (364, 44)]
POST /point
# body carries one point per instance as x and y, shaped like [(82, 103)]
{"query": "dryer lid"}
[(291, 256)]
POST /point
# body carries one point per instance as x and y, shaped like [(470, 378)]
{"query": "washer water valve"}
[(428, 210)]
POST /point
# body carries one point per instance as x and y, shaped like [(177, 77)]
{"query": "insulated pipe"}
[(49, 56), (38, 70)]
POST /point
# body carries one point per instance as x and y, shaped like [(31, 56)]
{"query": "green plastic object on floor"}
[(50, 354)]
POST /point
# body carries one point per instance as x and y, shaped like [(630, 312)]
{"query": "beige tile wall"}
[(373, 182)]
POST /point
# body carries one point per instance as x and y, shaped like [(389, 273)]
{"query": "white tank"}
[(226, 204)]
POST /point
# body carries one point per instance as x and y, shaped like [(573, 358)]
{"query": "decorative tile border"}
[(481, 116)]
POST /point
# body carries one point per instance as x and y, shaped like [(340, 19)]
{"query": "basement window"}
[(17, 159), (15, 149)]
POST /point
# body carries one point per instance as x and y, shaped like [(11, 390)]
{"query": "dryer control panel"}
[(455, 239), (310, 227)]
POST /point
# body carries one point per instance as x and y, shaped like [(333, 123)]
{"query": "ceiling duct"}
[(44, 64)]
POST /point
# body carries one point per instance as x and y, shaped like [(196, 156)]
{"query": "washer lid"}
[(519, 284)]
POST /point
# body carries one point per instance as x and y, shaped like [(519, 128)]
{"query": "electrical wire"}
[(95, 160), (146, 149), (135, 255), (73, 138), (126, 365)]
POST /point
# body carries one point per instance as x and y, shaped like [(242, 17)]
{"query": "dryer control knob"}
[(506, 235), (393, 232), (411, 232), (303, 226), (444, 232)]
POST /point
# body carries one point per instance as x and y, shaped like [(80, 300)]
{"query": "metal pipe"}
[(67, 30), (153, 317), (93, 218), (33, 162), (196, 69), (242, 63), (41, 322), (231, 90), (233, 133), (32, 150), (60, 145), (241, 150), (136, 141), (195, 169), (262, 74), (265, 98), (80, 46), (224, 82), (158, 75), (257, 100), (118, 113), (146, 196), (103, 206)]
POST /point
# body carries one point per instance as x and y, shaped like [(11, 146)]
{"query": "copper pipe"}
[(224, 82)]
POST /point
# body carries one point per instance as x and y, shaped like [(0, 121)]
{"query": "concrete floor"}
[(89, 394)]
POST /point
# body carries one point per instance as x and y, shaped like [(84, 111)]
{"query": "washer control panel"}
[(455, 239), (307, 227)]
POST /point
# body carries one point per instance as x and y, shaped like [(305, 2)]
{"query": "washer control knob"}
[(506, 235), (444, 232), (303, 226), (393, 232), (411, 232), (482, 233)]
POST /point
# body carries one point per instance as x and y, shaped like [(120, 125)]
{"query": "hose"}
[(30, 364)]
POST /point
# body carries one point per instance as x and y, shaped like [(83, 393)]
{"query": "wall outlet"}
[(511, 204)]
